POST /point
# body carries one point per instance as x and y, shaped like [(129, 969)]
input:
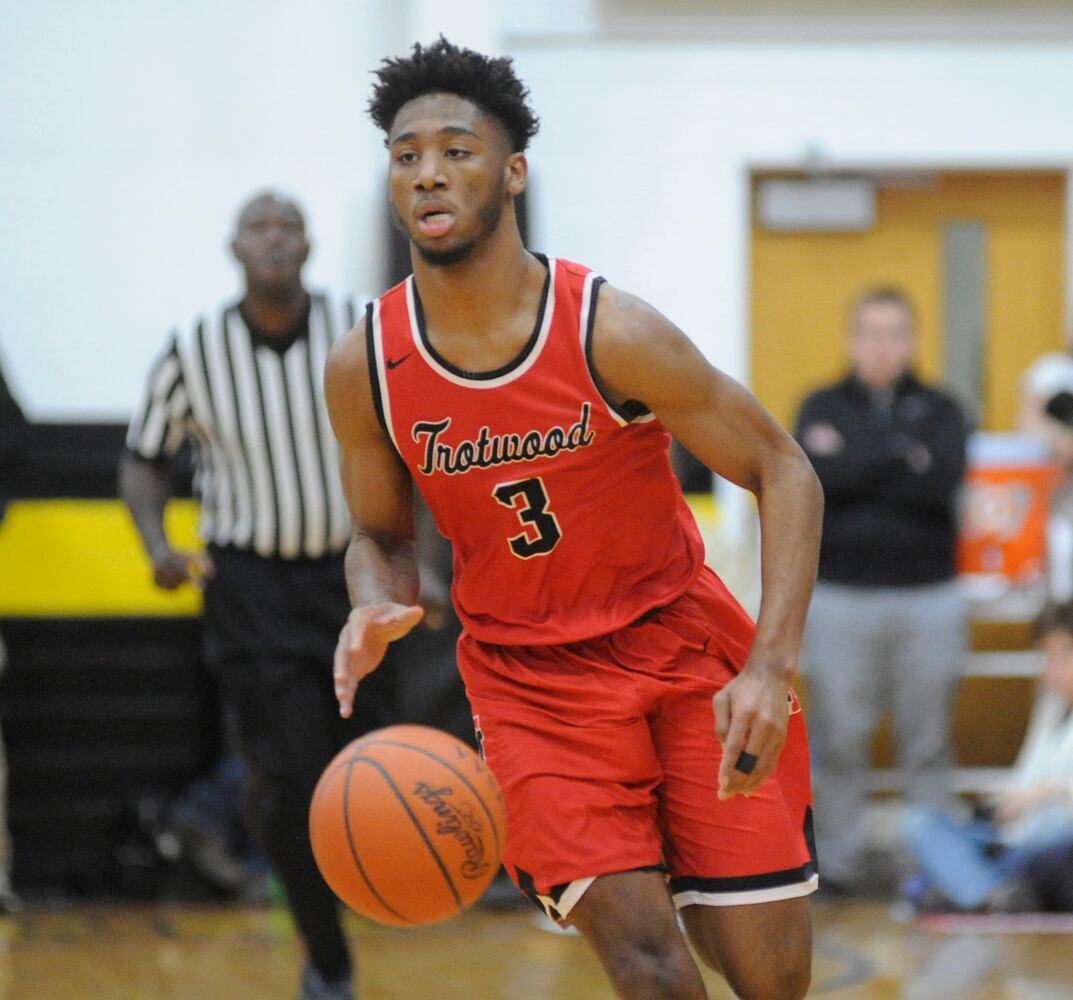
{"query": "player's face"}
[(270, 244), (882, 343), (451, 176), (1057, 648)]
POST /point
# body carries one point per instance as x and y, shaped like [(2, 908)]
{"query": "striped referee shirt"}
[(265, 459)]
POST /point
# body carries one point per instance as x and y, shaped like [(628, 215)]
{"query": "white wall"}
[(131, 131), (642, 164)]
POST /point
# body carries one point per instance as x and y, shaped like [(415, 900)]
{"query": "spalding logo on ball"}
[(407, 825)]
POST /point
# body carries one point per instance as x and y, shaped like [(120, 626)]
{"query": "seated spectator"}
[(988, 862)]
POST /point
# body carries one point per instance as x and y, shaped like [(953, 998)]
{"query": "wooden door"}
[(803, 283)]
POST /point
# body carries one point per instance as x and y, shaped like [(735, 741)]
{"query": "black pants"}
[(288, 728), (270, 632), (270, 628)]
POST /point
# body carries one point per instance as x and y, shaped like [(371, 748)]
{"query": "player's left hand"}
[(363, 641), (751, 716)]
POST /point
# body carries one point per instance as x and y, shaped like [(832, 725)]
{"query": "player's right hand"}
[(362, 643), (172, 568)]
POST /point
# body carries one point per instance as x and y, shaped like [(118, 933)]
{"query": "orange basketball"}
[(407, 825)]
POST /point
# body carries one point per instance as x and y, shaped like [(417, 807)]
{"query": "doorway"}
[(980, 253)]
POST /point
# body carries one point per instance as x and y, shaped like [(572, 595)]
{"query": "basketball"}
[(407, 825)]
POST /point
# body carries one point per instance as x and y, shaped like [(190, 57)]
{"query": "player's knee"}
[(648, 970), (778, 977)]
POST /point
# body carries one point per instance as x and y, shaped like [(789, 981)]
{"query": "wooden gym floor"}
[(220, 953)]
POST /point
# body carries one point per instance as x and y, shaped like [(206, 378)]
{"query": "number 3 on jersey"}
[(529, 500)]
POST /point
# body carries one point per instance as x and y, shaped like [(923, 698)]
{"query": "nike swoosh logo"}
[(394, 363)]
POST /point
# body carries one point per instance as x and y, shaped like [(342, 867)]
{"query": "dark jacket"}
[(890, 471)]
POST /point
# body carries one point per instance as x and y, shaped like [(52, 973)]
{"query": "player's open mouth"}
[(436, 222)]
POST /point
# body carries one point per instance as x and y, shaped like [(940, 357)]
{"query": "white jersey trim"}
[(572, 894)]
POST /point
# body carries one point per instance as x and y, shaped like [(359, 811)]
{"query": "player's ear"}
[(517, 168)]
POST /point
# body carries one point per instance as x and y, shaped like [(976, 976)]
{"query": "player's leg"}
[(630, 922), (741, 868), (566, 736), (764, 950)]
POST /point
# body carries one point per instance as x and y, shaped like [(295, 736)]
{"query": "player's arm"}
[(381, 564), (640, 355)]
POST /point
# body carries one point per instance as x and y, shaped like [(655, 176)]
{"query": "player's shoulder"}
[(623, 318)]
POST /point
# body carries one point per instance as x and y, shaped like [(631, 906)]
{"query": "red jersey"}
[(565, 517)]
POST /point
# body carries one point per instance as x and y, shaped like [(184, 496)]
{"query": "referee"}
[(245, 387)]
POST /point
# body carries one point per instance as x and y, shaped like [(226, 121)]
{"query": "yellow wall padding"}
[(76, 558), (83, 558), (803, 284)]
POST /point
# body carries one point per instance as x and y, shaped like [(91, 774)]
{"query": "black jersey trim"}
[(530, 344), (744, 883), (373, 363), (631, 409)]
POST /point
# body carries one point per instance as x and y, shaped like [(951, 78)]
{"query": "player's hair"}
[(884, 295), (443, 68), (1053, 618)]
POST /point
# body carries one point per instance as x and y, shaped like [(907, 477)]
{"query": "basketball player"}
[(630, 711)]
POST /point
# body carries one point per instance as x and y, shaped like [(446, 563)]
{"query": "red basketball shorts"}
[(607, 757)]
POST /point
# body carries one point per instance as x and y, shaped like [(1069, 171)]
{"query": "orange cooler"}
[(1004, 509)]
